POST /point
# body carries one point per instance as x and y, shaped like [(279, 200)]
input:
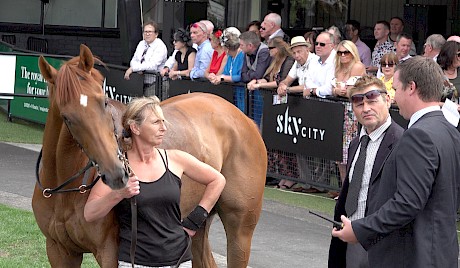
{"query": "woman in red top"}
[(219, 57)]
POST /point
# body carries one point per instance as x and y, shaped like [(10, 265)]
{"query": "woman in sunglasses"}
[(388, 65), (348, 68), (278, 68), (185, 56)]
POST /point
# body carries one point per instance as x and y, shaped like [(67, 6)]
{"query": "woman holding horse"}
[(162, 239)]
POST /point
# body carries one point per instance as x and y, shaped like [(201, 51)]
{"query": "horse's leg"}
[(240, 213), (59, 256), (201, 249), (107, 252)]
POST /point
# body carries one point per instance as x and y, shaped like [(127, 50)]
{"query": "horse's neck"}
[(55, 136)]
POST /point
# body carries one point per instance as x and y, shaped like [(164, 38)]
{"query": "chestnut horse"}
[(82, 125)]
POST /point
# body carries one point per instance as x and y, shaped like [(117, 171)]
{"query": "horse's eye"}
[(106, 103)]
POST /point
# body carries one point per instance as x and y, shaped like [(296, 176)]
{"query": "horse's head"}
[(76, 91)]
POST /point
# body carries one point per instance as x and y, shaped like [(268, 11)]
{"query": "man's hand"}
[(282, 89), (346, 234), (128, 73)]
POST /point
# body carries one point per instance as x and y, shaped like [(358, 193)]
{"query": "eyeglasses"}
[(387, 65), (370, 95), (148, 32), (321, 44), (271, 48), (343, 53)]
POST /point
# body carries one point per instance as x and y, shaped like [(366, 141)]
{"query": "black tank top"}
[(161, 241)]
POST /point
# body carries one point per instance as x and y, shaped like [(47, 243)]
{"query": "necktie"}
[(355, 185), (143, 53)]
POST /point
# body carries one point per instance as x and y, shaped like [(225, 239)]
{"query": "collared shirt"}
[(321, 75), (154, 57), (364, 52), (202, 60), (276, 33), (417, 115), (300, 72), (376, 138)]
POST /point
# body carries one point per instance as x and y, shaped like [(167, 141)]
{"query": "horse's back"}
[(219, 134)]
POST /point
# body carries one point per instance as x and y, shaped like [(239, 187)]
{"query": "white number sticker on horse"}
[(83, 100)]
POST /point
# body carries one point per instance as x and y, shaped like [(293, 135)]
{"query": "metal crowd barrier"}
[(283, 163)]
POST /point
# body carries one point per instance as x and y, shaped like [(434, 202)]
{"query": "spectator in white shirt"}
[(150, 54), (322, 70)]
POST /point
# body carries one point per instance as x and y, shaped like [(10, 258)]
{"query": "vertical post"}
[(9, 111)]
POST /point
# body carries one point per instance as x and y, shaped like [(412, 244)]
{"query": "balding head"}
[(455, 38)]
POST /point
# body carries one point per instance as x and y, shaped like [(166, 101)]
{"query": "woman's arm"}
[(184, 163), (102, 199), (222, 65)]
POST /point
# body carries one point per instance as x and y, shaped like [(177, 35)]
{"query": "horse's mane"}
[(72, 81)]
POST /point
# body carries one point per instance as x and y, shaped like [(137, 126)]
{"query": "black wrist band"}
[(195, 219)]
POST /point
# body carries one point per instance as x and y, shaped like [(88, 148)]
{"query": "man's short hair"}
[(398, 18), (426, 74), (355, 25), (403, 35), (385, 24), (365, 82), (153, 24), (250, 37), (436, 41), (331, 36)]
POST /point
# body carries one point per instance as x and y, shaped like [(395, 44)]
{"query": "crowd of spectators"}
[(321, 64)]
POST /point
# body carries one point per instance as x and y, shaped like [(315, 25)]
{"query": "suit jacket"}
[(413, 201), (338, 248)]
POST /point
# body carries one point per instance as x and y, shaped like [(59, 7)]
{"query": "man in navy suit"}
[(370, 103), (412, 204)]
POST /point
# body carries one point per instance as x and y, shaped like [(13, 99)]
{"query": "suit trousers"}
[(356, 256)]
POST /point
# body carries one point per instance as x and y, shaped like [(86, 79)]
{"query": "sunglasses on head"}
[(343, 53), (271, 48), (370, 95), (321, 44), (387, 65)]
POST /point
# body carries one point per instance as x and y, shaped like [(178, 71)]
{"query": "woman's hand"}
[(131, 189)]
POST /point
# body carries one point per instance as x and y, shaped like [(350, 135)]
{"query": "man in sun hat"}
[(299, 70)]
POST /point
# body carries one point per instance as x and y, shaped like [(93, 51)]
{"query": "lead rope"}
[(133, 203)]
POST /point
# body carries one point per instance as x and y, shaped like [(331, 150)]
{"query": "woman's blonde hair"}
[(283, 51), (136, 114), (350, 46)]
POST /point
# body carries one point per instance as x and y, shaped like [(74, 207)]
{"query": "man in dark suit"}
[(370, 104), (413, 201)]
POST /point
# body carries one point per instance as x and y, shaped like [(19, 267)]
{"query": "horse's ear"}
[(86, 58), (48, 71)]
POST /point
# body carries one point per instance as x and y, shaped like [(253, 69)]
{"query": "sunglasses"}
[(271, 48), (370, 95), (343, 53), (321, 44), (387, 65)]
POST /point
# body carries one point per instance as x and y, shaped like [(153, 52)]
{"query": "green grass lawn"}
[(22, 245), (20, 131)]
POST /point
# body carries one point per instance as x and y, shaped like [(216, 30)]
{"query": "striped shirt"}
[(376, 138)]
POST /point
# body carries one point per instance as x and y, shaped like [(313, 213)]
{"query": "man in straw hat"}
[(299, 70)]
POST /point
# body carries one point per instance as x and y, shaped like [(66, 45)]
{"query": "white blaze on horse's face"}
[(83, 100)]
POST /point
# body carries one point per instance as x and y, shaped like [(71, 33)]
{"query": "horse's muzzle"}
[(115, 179)]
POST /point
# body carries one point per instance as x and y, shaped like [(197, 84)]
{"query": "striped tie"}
[(143, 53)]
